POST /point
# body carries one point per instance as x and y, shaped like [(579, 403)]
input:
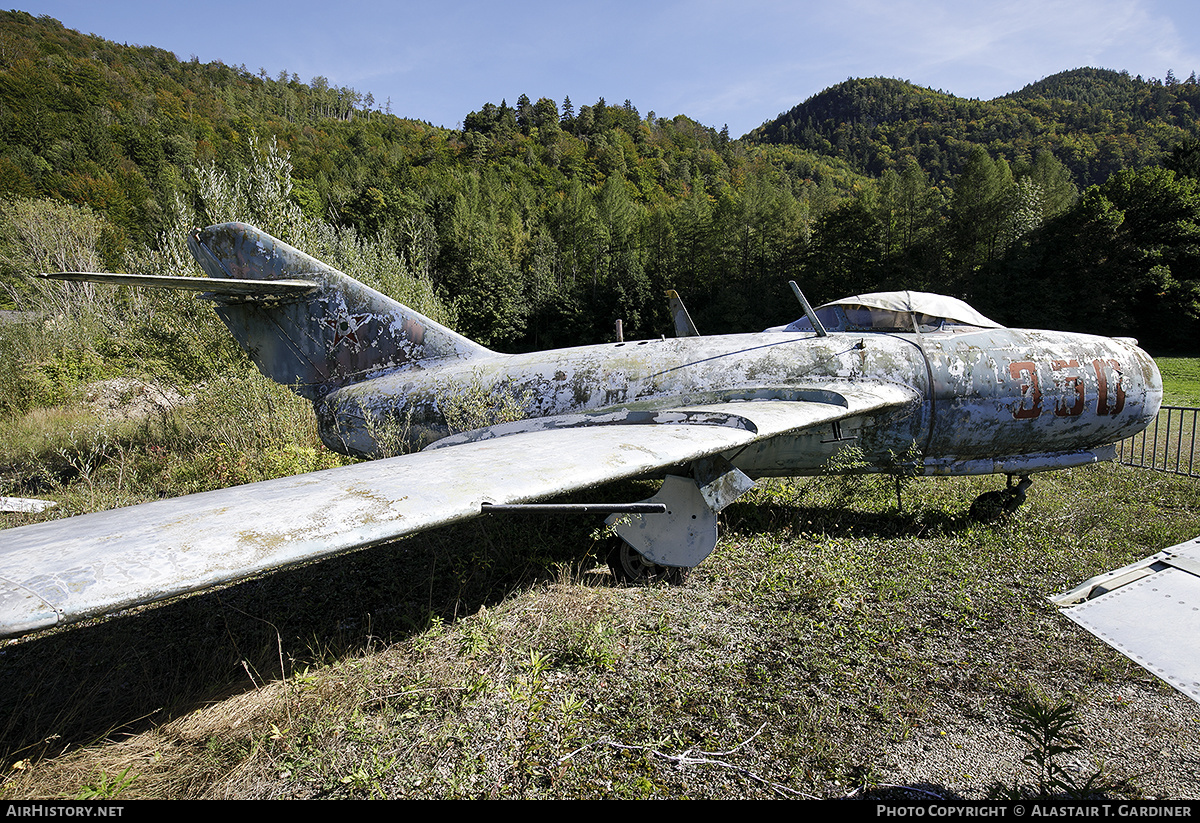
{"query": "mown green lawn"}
[(1181, 380)]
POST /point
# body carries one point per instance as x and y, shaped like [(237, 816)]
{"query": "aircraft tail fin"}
[(684, 327), (336, 334)]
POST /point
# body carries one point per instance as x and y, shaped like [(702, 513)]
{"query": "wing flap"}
[(66, 570)]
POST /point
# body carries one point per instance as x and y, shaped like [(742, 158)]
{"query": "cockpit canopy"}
[(896, 312)]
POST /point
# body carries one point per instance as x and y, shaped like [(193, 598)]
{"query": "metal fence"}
[(1168, 445)]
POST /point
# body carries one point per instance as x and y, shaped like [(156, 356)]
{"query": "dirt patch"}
[(126, 398)]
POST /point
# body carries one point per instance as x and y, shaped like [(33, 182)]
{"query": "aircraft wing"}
[(1149, 611), (66, 570)]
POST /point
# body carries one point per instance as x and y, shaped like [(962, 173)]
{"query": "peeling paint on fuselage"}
[(382, 376), (975, 404), (636, 376), (1011, 391), (344, 333)]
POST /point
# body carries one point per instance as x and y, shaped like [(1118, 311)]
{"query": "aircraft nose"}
[(1140, 383), (1150, 379)]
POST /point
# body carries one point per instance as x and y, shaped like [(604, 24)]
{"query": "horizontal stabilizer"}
[(1149, 611), (212, 285)]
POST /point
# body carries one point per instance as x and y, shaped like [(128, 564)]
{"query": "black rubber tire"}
[(990, 506), (630, 568)]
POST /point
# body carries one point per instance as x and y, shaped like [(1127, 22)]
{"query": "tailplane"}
[(339, 333)]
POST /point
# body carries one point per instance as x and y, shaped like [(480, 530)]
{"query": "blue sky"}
[(721, 63)]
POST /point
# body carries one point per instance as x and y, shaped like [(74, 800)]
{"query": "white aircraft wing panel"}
[(66, 570), (1149, 611)]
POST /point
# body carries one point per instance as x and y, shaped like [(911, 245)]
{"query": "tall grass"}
[(237, 427)]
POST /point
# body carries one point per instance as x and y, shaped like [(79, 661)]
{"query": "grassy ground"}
[(1181, 380), (1169, 444), (832, 646)]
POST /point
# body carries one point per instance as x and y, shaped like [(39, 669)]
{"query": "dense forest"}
[(1096, 122), (1071, 203)]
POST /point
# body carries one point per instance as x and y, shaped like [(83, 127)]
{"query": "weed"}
[(107, 788), (903, 468), (1050, 730), (477, 636), (591, 645), (392, 435), (480, 404), (367, 778), (847, 479)]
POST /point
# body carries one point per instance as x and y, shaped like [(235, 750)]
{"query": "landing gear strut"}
[(991, 506), (664, 546)]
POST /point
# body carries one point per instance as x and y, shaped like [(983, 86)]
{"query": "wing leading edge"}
[(213, 285), (62, 571)]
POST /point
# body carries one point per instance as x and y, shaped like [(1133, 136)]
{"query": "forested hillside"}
[(1095, 121), (1069, 204), (541, 222)]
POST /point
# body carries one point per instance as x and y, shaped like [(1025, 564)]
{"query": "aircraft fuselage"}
[(994, 400)]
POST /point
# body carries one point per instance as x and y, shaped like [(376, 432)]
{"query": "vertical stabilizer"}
[(339, 334), (684, 327)]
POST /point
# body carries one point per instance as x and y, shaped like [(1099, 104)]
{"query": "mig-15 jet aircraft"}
[(917, 384)]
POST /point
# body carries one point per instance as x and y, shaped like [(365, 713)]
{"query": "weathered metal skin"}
[(1013, 391), (382, 375), (624, 378), (344, 333), (942, 399), (982, 395)]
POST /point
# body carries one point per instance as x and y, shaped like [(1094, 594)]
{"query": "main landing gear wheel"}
[(629, 567), (991, 506)]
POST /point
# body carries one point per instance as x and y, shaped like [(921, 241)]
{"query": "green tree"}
[(844, 256), (1184, 159), (39, 236), (1053, 179), (979, 212), (1125, 259)]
